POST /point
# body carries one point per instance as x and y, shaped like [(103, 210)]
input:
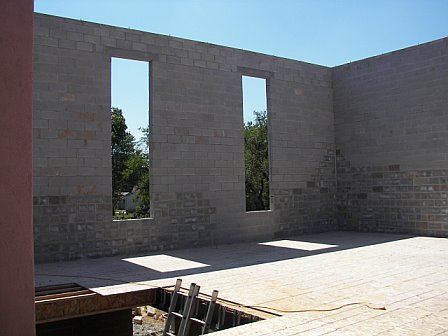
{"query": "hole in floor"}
[(227, 314), (71, 307)]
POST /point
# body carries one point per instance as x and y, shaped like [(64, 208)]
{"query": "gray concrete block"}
[(197, 136)]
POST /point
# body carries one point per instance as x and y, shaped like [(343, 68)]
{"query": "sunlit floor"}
[(406, 275)]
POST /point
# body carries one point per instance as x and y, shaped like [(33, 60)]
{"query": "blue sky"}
[(326, 32), (130, 92)]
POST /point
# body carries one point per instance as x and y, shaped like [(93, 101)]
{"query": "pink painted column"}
[(16, 227)]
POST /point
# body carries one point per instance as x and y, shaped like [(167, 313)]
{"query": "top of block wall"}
[(99, 29), (397, 53)]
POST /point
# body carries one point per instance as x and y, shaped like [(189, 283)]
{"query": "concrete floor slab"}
[(407, 275)]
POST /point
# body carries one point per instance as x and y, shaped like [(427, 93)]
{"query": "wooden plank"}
[(82, 303)]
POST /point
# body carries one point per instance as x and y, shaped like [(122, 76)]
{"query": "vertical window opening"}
[(130, 138), (256, 143)]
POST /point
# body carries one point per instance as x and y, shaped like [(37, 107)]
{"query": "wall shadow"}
[(109, 271)]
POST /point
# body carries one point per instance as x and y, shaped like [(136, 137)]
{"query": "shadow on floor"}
[(179, 263)]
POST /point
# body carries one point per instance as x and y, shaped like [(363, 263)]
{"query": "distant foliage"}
[(142, 209), (256, 156), (130, 165)]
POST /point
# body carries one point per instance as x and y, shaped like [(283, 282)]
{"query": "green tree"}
[(256, 159), (143, 143), (143, 198), (130, 163), (122, 150)]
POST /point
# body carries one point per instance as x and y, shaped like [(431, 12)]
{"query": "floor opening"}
[(226, 314), (74, 309)]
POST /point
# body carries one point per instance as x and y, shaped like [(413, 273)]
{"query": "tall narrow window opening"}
[(256, 143), (130, 138)]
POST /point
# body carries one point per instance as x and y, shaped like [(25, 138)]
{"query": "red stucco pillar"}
[(16, 228)]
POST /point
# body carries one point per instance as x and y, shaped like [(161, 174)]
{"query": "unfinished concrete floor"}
[(408, 275)]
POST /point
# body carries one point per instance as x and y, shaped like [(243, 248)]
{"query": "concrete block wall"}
[(391, 129), (196, 121), (358, 147)]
